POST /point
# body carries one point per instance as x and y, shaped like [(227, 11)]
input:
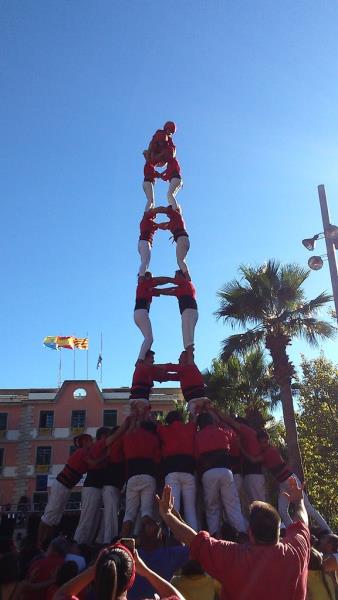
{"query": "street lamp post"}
[(330, 245)]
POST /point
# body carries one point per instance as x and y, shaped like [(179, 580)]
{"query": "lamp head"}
[(315, 263), (310, 243), (332, 233)]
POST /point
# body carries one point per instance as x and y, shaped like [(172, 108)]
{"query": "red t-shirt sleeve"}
[(298, 538), (97, 450), (215, 556)]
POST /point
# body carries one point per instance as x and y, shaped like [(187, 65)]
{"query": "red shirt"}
[(115, 451), (41, 570), (148, 226), (141, 444), (184, 287), (78, 460), (160, 142), (145, 289), (149, 172), (176, 223), (257, 572), (273, 461), (173, 170), (211, 438), (248, 437), (177, 438)]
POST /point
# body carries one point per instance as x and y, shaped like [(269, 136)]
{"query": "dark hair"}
[(9, 568), (101, 432), (316, 564), (179, 272), (59, 546), (192, 567), (148, 426), (114, 570), (148, 274), (150, 353), (172, 416), (204, 419), (264, 522), (262, 435), (66, 572), (332, 539)]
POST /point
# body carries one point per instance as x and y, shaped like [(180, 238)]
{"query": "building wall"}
[(23, 436)]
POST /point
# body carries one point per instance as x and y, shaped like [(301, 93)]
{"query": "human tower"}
[(162, 153)]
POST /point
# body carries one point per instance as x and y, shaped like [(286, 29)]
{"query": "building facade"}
[(37, 427)]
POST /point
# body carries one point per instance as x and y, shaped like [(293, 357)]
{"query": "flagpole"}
[(74, 372), (87, 354), (60, 370), (101, 361)]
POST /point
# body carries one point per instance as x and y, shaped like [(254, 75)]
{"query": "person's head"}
[(172, 416), (115, 573), (151, 533), (264, 523), (263, 439), (315, 560), (102, 433), (148, 426), (183, 359), (9, 568), (149, 357), (83, 441), (148, 275), (170, 128), (328, 543), (179, 273), (58, 546), (66, 572), (192, 567), (204, 419)]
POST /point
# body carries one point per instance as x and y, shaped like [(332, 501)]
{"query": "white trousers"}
[(185, 484), (189, 320), (111, 502), (140, 493), (283, 507), (148, 189), (255, 487), (141, 318), (220, 491), (182, 248), (144, 249), (174, 187), (91, 500), (58, 498)]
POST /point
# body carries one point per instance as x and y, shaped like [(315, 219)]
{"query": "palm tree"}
[(270, 299)]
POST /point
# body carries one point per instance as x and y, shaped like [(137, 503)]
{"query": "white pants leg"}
[(91, 499), (148, 189), (173, 480), (189, 320), (283, 507), (140, 490), (231, 501), (141, 318), (255, 487), (212, 500), (111, 501), (188, 486), (174, 187), (58, 498), (238, 479), (144, 249), (182, 249)]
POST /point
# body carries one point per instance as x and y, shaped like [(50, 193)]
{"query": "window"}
[(74, 501), (3, 424), (78, 419), (40, 500), (46, 419), (110, 418), (72, 449), (43, 455), (2, 452), (41, 483)]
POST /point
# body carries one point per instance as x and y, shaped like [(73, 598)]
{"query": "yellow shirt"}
[(315, 586), (197, 587)]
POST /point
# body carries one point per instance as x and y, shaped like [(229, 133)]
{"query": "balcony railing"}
[(45, 431), (42, 469), (77, 430)]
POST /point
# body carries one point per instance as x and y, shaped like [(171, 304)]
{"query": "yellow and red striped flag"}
[(81, 343), (65, 342)]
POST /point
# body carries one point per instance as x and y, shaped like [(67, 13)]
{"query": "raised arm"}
[(162, 587), (295, 495), (181, 531), (75, 585), (162, 280), (258, 458), (168, 291), (160, 210), (127, 424)]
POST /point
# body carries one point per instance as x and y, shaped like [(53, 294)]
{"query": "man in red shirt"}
[(147, 230), (145, 291), (272, 460), (178, 462), (186, 295), (44, 569), (156, 155), (113, 482), (266, 567), (176, 226), (173, 175), (142, 453), (143, 380), (150, 174), (191, 382), (212, 451)]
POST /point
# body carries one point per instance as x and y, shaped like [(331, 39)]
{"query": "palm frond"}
[(312, 330), (242, 342)]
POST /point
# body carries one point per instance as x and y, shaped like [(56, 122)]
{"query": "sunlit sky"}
[(252, 87)]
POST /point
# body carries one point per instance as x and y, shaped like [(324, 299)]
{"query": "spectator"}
[(328, 545), (114, 573), (163, 560), (9, 575), (320, 586), (75, 554), (264, 568), (43, 570), (195, 584), (67, 571)]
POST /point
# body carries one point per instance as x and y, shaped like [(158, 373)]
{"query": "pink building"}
[(37, 427)]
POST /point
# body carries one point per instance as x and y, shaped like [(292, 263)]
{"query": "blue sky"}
[(253, 89)]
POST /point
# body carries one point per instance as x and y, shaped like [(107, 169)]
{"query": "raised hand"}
[(295, 493), (166, 502)]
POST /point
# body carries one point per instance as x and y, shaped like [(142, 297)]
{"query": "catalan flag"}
[(50, 341), (65, 342), (81, 343)]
